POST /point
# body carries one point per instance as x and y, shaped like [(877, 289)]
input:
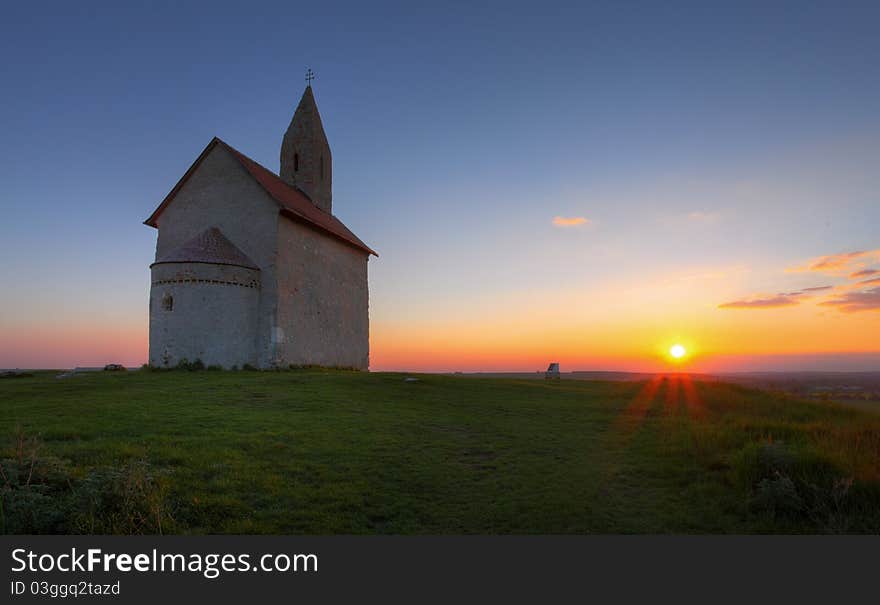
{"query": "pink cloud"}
[(864, 273), (837, 263), (855, 301), (574, 221), (816, 289), (773, 302), (783, 299)]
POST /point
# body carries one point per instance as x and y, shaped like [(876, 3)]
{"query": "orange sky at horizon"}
[(633, 335), (627, 326), (622, 325), (437, 351), (642, 346)]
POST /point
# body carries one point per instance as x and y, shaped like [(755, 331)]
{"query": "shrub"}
[(774, 458), (829, 506), (779, 496), (313, 366), (798, 488), (32, 485), (190, 366), (39, 494), (121, 500), (16, 374)]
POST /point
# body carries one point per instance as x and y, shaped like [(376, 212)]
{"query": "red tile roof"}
[(209, 246), (294, 203)]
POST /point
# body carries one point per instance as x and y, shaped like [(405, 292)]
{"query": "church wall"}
[(323, 314), (221, 194), (203, 311)]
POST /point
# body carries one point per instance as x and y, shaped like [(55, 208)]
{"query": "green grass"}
[(868, 406), (325, 452)]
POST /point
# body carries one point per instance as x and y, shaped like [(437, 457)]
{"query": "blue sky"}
[(694, 138)]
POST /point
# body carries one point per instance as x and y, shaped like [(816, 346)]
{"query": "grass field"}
[(324, 452)]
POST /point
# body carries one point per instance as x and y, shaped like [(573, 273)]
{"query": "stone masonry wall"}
[(203, 311), (221, 194), (323, 314), (306, 160)]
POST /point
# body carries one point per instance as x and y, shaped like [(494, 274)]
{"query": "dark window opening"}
[(296, 162), (168, 302), (322, 168)]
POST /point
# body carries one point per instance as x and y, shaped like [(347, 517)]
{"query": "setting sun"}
[(677, 351)]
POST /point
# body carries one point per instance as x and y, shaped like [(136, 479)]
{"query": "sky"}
[(588, 183)]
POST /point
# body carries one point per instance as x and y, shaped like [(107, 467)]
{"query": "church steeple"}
[(305, 154)]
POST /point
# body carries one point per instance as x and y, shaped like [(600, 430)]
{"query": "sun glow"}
[(677, 351)]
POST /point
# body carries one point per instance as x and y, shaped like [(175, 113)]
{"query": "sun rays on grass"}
[(675, 393)]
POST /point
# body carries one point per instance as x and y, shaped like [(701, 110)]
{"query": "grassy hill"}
[(338, 452)]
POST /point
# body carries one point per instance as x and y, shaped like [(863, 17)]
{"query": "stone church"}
[(252, 267)]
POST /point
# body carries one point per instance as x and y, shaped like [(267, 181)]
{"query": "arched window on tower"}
[(322, 167), (296, 162), (168, 302)]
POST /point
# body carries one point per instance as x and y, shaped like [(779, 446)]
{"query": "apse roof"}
[(209, 246)]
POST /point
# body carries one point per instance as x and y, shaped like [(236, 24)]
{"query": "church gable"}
[(216, 146), (291, 202), (218, 192)]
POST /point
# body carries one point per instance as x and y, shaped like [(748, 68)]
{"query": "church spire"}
[(305, 154)]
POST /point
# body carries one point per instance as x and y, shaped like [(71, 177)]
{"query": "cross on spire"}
[(310, 75)]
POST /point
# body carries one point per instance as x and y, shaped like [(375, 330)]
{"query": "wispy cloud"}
[(855, 301), (783, 299), (848, 297), (570, 221), (816, 288), (864, 273), (837, 263), (773, 302)]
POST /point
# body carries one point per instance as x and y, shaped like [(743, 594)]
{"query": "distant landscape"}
[(334, 452), (860, 389)]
